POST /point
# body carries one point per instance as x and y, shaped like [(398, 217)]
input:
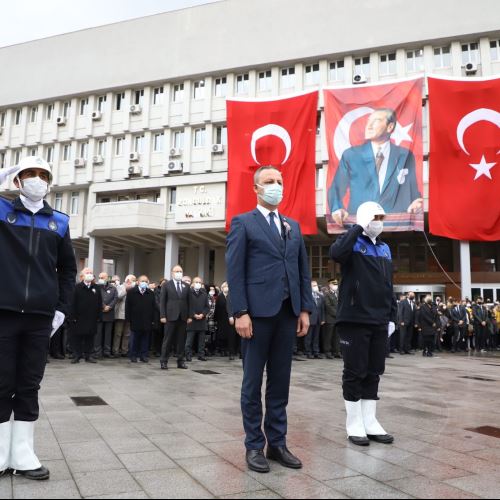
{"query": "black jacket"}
[(318, 313), (109, 298), (140, 310), (331, 305), (458, 315), (406, 314), (366, 291), (86, 309), (37, 257), (198, 304), (172, 306), (429, 319)]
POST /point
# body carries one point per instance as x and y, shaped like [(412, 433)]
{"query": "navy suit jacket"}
[(357, 173), (258, 267)]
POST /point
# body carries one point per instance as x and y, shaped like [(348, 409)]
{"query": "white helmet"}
[(367, 212), (35, 162)]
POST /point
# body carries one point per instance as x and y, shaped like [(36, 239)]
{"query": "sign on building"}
[(200, 203)]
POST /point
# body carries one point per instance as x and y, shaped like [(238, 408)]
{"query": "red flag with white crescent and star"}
[(464, 160), (374, 137), (279, 132)]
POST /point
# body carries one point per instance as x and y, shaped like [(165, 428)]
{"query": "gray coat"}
[(109, 298), (331, 304)]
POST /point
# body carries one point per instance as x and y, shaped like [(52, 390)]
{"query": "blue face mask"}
[(273, 194), (143, 285)]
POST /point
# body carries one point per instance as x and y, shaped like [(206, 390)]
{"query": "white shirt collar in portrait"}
[(386, 151), (265, 212)]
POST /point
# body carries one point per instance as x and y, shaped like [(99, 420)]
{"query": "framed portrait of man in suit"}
[(374, 135)]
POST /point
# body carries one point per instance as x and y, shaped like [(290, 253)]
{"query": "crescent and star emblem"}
[(274, 130)]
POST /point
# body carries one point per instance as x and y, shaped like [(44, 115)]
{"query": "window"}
[(312, 74), (84, 104), (84, 150), (18, 116), (49, 154), (119, 146), (119, 100), (2, 159), (178, 139), (320, 177), (320, 262), (318, 123), (199, 90), (75, 200), (179, 92), (442, 57), (16, 155), (33, 114), (387, 64), (470, 53), (139, 97), (101, 103), (2, 119), (414, 61), (173, 200), (158, 96), (58, 201), (221, 87), (158, 142), (199, 137), (288, 78), (33, 151), (242, 83), (66, 152), (49, 112), (101, 147), (336, 73), (221, 135), (138, 143), (265, 80), (66, 108), (362, 66), (495, 50)]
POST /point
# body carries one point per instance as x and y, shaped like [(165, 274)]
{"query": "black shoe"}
[(430, 355), (124, 355), (283, 456), (337, 356), (384, 439), (59, 356), (189, 359), (144, 360), (133, 360), (182, 366), (40, 474), (163, 366), (257, 462), (410, 353), (359, 441), (231, 358), (4, 472), (389, 356), (75, 361), (424, 353), (329, 356), (318, 356), (202, 358), (402, 353), (90, 360), (310, 356)]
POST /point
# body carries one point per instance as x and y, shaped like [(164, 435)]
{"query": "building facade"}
[(132, 117)]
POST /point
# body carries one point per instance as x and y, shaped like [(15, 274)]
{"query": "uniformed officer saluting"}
[(38, 264), (365, 315)]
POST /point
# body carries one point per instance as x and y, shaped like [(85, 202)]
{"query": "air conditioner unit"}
[(175, 166), (97, 160), (470, 68), (79, 163), (96, 115), (217, 148), (359, 78), (61, 120), (134, 156), (134, 170), (135, 109), (175, 152)]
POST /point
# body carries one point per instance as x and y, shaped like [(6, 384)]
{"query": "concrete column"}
[(171, 253), (203, 262), (465, 269), (121, 266), (95, 254)]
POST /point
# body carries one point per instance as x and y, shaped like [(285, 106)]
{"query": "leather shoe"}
[(40, 474), (257, 462), (182, 366), (283, 456), (74, 361), (359, 441), (329, 356), (90, 360), (202, 358), (4, 472), (164, 366), (389, 356), (59, 356), (383, 439)]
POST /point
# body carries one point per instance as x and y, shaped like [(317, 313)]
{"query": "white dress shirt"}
[(265, 212), (386, 151)]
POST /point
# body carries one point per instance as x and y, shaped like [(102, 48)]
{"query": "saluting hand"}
[(303, 324), (244, 327)]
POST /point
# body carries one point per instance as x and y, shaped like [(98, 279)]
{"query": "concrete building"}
[(132, 117)]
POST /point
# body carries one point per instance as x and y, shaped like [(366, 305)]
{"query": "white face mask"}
[(178, 276), (374, 229), (35, 189), (211, 293), (334, 288), (315, 289), (197, 286), (88, 278), (225, 290)]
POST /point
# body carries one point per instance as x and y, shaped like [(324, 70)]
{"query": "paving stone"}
[(146, 461), (105, 482), (90, 457), (254, 495), (6, 487), (423, 487), (482, 485), (177, 446), (46, 489), (365, 487)]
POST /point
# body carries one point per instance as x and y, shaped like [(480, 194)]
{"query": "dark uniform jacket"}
[(366, 291), (37, 255), (198, 304), (429, 320), (406, 314), (331, 305), (109, 298), (172, 305), (86, 309), (140, 310)]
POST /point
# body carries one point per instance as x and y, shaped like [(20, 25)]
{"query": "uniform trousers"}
[(175, 334)]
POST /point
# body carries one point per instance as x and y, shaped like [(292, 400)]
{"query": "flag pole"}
[(465, 269)]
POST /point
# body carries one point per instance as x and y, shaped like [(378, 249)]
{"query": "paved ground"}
[(178, 434)]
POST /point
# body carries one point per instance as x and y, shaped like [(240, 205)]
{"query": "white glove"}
[(57, 322), (365, 219), (5, 172), (391, 328)]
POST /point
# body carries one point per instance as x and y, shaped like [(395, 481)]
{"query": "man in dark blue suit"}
[(376, 171), (268, 275)]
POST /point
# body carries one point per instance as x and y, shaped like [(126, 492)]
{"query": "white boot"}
[(5, 439), (373, 429), (22, 454), (354, 425)]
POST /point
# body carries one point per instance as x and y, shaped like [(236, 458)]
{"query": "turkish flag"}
[(464, 184), (281, 133)]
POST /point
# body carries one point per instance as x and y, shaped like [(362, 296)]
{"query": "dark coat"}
[(156, 324), (140, 310), (86, 309), (405, 313), (172, 306), (222, 315), (318, 312), (331, 304), (198, 304), (109, 298), (429, 320)]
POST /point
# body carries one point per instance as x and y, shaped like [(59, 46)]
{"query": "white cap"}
[(367, 212), (35, 162)]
